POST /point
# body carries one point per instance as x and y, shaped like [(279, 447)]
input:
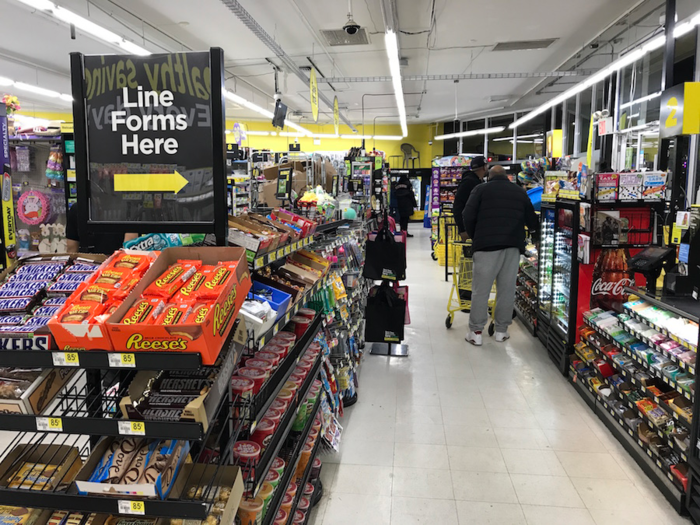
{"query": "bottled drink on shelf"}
[(610, 276)]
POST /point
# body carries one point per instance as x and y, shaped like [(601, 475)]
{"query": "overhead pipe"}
[(464, 76), (266, 39)]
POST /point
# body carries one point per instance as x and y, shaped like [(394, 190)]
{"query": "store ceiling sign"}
[(605, 126), (154, 138), (680, 110), (313, 86), (555, 142)]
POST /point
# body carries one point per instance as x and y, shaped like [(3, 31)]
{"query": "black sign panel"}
[(153, 140)]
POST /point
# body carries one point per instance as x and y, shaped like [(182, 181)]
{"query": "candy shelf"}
[(645, 458), (280, 253), (275, 445), (275, 382), (82, 408), (290, 470), (104, 360)]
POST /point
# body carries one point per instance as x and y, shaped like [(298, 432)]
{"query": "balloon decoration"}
[(33, 207)]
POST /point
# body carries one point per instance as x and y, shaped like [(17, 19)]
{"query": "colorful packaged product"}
[(144, 311), (607, 186), (172, 279)]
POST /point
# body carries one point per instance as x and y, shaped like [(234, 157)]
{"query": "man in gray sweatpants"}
[(495, 218)]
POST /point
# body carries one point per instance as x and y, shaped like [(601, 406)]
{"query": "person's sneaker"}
[(474, 338), (502, 336), (408, 235)]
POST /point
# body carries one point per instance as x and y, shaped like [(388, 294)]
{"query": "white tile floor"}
[(459, 435)]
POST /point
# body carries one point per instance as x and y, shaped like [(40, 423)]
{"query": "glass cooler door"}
[(545, 262), (564, 247)]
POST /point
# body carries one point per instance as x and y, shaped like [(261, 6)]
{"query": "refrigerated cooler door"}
[(545, 263), (564, 247)]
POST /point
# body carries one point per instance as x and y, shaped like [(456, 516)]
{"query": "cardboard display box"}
[(39, 394), (65, 457), (41, 339), (206, 338), (228, 476), (85, 336), (159, 488), (268, 189)]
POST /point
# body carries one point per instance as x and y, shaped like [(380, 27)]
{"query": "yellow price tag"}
[(128, 359), (49, 424), (131, 428), (131, 507), (138, 507), (138, 427), (258, 262)]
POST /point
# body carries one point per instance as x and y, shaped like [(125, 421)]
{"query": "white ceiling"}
[(461, 41)]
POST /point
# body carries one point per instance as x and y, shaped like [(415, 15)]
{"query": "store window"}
[(585, 119), (640, 82), (684, 58), (531, 137), (473, 144), (500, 145), (570, 112)]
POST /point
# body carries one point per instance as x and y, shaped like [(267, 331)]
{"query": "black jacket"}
[(470, 180), (496, 215), (405, 198)]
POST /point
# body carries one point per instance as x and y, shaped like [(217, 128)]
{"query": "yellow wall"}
[(419, 135)]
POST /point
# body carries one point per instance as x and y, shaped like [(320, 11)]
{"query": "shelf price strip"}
[(119, 360), (131, 428)]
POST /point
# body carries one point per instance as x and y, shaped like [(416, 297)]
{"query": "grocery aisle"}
[(457, 434)]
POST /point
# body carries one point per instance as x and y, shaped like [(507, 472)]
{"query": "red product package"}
[(198, 313), (144, 311), (112, 307), (125, 288), (217, 279), (80, 312), (172, 279), (173, 314), (116, 277), (96, 293), (136, 263), (191, 289)]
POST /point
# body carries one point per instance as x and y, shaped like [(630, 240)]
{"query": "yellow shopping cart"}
[(460, 299)]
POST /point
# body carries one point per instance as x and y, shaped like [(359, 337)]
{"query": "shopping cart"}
[(461, 292)]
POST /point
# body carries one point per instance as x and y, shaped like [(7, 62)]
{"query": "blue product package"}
[(100, 472), (11, 320), (55, 301), (64, 287), (73, 277), (82, 268), (46, 311), (15, 305)]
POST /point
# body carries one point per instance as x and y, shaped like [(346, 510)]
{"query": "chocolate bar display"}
[(19, 515), (132, 466)]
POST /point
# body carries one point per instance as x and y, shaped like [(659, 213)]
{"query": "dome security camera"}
[(352, 27)]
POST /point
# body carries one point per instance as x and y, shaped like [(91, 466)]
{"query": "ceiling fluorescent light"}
[(392, 51), (85, 25), (640, 100), (66, 97), (38, 90), (358, 137), (534, 135), (485, 131), (297, 127), (6, 81), (258, 133), (388, 137), (290, 134), (325, 136), (243, 102), (624, 61)]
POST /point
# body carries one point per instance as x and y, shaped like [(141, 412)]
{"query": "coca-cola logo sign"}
[(601, 287)]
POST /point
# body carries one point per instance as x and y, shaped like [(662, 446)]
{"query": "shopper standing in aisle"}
[(406, 202), (471, 178), (495, 218)]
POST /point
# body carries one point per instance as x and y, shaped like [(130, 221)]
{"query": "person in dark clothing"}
[(470, 179), (406, 202), (106, 243), (495, 218)]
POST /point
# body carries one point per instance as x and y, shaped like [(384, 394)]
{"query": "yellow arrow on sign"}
[(149, 182)]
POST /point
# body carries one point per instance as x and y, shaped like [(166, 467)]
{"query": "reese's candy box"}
[(96, 293), (171, 279), (80, 312), (125, 288), (173, 314), (134, 262), (144, 311), (216, 280)]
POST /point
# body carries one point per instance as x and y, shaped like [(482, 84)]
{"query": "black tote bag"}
[(384, 257), (385, 314)]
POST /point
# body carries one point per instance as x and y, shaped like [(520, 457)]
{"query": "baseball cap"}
[(477, 162)]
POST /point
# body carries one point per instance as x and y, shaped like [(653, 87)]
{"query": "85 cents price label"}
[(131, 507), (118, 360), (132, 428), (49, 424), (65, 359)]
